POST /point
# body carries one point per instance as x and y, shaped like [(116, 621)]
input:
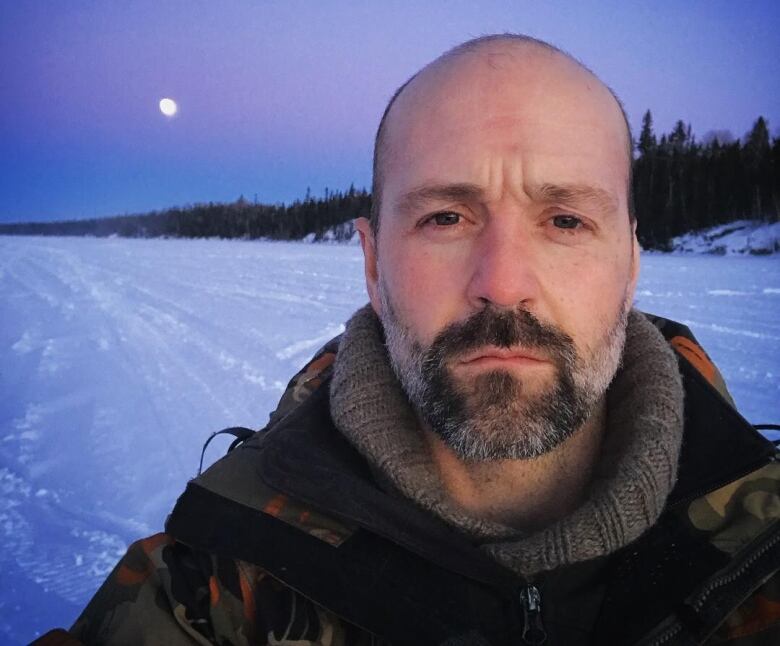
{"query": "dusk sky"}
[(278, 96)]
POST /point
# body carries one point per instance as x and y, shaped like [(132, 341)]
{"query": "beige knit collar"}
[(637, 469)]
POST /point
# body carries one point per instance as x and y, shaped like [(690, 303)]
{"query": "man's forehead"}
[(501, 80)]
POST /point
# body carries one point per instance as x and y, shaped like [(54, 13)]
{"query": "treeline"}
[(240, 219), (680, 185)]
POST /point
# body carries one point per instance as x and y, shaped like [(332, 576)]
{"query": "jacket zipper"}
[(701, 598), (668, 634), (534, 633)]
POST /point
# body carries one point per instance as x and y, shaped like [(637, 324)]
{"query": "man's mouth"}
[(503, 357)]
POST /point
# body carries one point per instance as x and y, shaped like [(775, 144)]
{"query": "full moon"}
[(168, 107)]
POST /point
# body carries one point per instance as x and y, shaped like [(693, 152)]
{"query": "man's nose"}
[(504, 267)]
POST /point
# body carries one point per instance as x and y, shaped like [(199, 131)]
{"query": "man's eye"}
[(566, 221), (447, 218)]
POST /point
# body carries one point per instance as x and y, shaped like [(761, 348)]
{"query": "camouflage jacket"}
[(287, 540)]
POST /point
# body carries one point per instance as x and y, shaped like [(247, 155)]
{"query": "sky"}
[(277, 97)]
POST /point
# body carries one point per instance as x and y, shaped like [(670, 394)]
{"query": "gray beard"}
[(491, 417)]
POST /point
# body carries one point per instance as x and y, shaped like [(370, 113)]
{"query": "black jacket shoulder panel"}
[(719, 445)]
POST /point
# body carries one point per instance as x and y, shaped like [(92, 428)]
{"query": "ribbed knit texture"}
[(635, 474)]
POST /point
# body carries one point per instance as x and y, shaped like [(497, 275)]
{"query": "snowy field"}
[(119, 357)]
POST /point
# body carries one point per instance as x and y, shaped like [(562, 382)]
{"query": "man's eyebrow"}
[(567, 194), (573, 194), (418, 197)]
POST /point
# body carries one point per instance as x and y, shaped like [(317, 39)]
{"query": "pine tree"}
[(679, 136), (776, 179), (757, 140), (758, 165), (647, 142)]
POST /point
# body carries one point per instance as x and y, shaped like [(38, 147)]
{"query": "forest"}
[(679, 184)]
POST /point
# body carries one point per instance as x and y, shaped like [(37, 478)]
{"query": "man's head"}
[(505, 261), (466, 47)]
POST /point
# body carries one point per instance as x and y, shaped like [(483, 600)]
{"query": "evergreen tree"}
[(775, 183), (758, 166), (757, 140), (647, 142), (679, 136)]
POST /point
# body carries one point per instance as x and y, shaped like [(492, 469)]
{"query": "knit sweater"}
[(634, 475)]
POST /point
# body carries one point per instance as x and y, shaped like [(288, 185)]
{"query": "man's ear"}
[(635, 260), (368, 243)]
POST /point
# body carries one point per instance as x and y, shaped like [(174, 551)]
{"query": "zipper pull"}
[(533, 629)]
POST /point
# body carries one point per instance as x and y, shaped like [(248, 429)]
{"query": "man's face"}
[(505, 263)]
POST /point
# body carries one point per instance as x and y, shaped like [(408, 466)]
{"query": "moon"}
[(168, 107)]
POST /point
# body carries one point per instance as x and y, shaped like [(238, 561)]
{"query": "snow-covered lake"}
[(119, 357)]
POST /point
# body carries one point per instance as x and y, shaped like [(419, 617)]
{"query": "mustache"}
[(501, 328)]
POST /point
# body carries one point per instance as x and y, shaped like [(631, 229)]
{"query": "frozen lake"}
[(119, 357)]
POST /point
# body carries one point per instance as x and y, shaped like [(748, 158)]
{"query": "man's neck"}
[(524, 494)]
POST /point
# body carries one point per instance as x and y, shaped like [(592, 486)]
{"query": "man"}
[(496, 451)]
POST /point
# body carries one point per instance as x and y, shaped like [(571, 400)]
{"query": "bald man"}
[(499, 449)]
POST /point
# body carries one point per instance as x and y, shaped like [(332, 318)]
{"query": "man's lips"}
[(517, 356)]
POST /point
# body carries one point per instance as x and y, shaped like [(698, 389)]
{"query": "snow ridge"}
[(735, 238)]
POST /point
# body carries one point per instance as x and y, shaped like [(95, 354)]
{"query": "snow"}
[(735, 238), (344, 233), (119, 357)]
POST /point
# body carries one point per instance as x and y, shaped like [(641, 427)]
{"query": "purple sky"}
[(277, 96)]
